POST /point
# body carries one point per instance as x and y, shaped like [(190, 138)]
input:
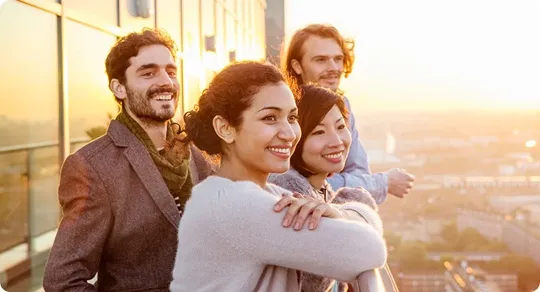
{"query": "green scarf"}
[(172, 162)]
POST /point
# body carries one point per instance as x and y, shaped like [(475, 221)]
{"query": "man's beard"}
[(139, 104)]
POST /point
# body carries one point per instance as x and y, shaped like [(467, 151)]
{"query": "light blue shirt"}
[(357, 172)]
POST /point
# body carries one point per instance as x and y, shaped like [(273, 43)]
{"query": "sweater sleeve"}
[(244, 215)]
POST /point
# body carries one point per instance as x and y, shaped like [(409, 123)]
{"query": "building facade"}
[(521, 237), (55, 94), (275, 30)]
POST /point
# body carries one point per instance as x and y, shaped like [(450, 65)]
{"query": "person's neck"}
[(317, 180), (234, 170), (156, 130)]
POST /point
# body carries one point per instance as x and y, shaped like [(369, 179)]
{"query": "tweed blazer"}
[(119, 219)]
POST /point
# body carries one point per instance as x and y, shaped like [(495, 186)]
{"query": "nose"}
[(334, 140), (333, 65), (287, 133), (164, 79)]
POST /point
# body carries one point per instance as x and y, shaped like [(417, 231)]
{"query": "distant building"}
[(421, 282), (518, 236), (275, 29)]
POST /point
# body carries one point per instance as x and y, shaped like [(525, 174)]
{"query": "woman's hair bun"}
[(201, 132)]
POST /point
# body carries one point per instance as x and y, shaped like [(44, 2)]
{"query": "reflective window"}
[(222, 53), (99, 10), (133, 18), (230, 26), (169, 18), (90, 100), (208, 17), (28, 114), (193, 68)]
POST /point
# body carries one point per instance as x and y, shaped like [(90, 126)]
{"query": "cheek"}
[(256, 136), (297, 131), (314, 70), (347, 139), (313, 147)]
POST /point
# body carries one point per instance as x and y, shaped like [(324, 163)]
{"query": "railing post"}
[(63, 104), (29, 204)]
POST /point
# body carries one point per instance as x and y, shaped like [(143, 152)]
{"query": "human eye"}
[(293, 118), (271, 118)]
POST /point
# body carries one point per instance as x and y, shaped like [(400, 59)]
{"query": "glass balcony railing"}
[(28, 193), (377, 280)]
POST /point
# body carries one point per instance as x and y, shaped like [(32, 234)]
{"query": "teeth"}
[(332, 156), (163, 97), (281, 150)]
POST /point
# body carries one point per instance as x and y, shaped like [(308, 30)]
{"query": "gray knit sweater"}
[(230, 239), (293, 181)]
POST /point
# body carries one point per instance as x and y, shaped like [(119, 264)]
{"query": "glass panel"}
[(90, 100), (230, 26), (210, 61), (193, 68), (102, 10), (169, 19), (44, 177), (208, 17), (28, 114), (222, 53), (131, 19), (13, 200)]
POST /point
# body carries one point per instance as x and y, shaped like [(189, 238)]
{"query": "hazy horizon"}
[(423, 54)]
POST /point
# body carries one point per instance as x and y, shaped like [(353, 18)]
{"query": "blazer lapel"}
[(142, 163), (152, 180)]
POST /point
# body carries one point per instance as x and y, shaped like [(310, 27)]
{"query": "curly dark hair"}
[(126, 47), (295, 50), (315, 102), (228, 95)]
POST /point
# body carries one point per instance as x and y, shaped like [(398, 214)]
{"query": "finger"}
[(305, 211), (316, 216), (409, 186), (283, 202), (298, 195), (293, 210), (410, 177)]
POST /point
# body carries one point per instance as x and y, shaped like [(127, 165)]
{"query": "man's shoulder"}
[(99, 146), (347, 102)]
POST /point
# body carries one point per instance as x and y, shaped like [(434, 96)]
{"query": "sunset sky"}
[(425, 54)]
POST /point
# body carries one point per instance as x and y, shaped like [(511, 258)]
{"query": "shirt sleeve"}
[(245, 217)]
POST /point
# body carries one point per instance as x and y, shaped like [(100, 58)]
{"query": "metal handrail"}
[(29, 150), (376, 280), (38, 145)]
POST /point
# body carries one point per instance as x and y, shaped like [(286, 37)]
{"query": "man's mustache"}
[(331, 74), (162, 90)]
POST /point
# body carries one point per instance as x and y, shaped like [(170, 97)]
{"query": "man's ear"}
[(296, 66), (223, 129), (118, 89)]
